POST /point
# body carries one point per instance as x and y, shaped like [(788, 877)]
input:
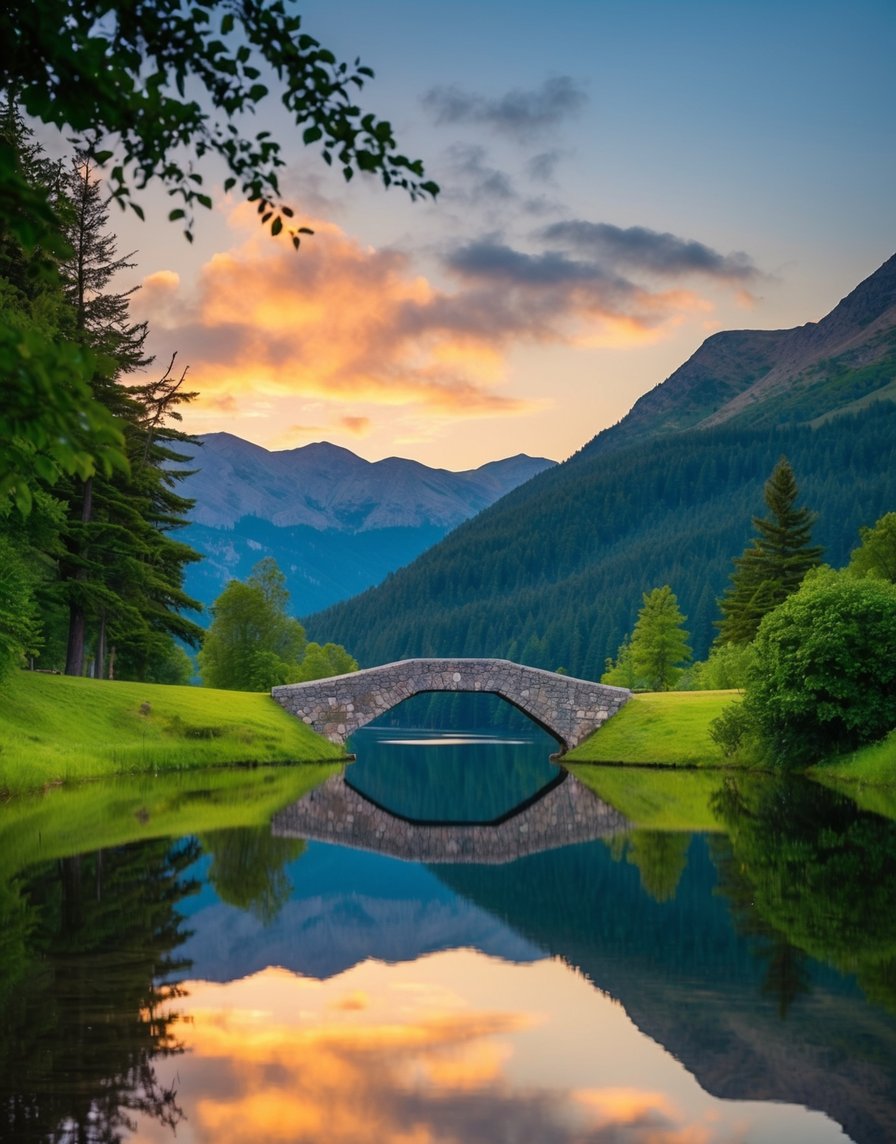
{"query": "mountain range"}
[(334, 522), (554, 573)]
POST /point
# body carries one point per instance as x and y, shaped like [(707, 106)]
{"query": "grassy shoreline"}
[(56, 729), (659, 728), (671, 729)]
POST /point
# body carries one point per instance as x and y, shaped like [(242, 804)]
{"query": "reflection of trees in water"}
[(660, 857), (808, 872), (87, 948), (247, 868)]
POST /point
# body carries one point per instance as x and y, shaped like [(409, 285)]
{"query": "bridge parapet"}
[(568, 708)]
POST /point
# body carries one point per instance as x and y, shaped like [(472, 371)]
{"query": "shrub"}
[(824, 678), (729, 730)]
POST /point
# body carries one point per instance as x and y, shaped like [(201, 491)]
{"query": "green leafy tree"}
[(140, 85), (620, 672), (726, 667), (323, 662), (876, 555), (659, 643), (252, 644), (774, 564), (824, 678)]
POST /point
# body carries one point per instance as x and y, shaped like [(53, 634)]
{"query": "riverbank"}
[(671, 729), (659, 728), (57, 729)]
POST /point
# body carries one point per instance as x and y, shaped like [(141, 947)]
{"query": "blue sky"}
[(619, 180)]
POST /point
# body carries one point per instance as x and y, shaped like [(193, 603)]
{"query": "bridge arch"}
[(562, 814), (567, 708)]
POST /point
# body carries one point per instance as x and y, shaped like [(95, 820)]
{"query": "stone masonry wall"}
[(570, 709), (333, 812)]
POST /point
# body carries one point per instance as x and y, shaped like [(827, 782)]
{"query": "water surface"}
[(643, 985)]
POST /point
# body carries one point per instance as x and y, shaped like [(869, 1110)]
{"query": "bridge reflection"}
[(562, 813)]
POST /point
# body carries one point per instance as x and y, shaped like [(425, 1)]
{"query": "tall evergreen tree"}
[(122, 574), (659, 643), (772, 567)]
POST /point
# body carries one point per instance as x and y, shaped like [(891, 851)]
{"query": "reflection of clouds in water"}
[(279, 1058)]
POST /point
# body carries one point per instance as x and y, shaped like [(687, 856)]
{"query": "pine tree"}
[(772, 567), (659, 643), (122, 573)]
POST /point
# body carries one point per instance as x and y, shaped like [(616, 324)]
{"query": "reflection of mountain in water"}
[(690, 981), (347, 906)]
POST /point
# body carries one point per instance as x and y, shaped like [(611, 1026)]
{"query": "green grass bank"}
[(56, 729), (671, 729), (659, 728)]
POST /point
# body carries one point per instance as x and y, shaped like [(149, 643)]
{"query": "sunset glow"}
[(453, 1046)]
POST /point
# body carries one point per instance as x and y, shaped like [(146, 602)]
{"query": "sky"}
[(619, 180)]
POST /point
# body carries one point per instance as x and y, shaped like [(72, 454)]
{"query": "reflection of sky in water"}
[(454, 741), (471, 777), (453, 1047)]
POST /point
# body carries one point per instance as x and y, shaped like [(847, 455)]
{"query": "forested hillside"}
[(552, 575)]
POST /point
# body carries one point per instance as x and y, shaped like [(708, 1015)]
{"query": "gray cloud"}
[(496, 261), (481, 182), (520, 115), (541, 168), (637, 247)]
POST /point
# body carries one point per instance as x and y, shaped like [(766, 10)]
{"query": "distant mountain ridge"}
[(769, 377), (335, 523), (325, 487)]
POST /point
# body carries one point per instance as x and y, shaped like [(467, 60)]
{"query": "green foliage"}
[(730, 729), (252, 644), (660, 857), (824, 679), (118, 76), (620, 672), (323, 662), (51, 420), (19, 621), (876, 555), (774, 564), (247, 868), (726, 667), (659, 642), (815, 869)]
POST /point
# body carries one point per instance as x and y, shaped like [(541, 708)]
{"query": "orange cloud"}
[(357, 425), (340, 321)]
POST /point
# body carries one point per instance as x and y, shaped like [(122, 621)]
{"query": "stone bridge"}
[(569, 709), (563, 813)]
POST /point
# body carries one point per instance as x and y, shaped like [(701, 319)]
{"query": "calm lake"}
[(449, 940)]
